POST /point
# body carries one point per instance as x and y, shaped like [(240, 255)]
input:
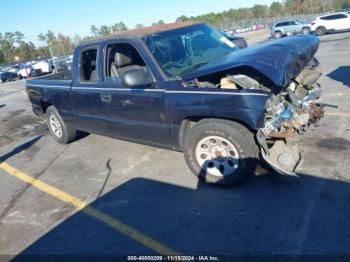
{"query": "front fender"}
[(242, 106)]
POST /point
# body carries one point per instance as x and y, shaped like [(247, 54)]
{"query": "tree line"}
[(13, 46), (287, 7)]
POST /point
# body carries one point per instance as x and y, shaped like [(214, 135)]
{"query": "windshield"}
[(184, 49)]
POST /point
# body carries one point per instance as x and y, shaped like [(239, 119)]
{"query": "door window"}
[(120, 58)]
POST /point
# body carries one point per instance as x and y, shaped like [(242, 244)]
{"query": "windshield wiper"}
[(194, 67)]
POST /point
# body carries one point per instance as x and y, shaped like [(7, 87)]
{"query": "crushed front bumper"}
[(287, 116)]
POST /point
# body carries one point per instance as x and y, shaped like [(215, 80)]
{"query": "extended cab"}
[(186, 87)]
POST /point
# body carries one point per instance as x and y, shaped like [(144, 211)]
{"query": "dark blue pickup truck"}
[(186, 87)]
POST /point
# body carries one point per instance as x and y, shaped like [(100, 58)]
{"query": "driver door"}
[(135, 113)]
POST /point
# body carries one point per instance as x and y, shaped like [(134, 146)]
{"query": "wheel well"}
[(188, 123), (44, 106)]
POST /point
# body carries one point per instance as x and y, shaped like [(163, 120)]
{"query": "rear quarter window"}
[(342, 16), (333, 17), (88, 65)]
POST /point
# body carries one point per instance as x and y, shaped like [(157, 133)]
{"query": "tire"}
[(59, 130), (221, 152), (306, 30), (278, 34), (320, 31)]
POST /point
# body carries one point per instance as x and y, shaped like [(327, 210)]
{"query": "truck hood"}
[(279, 60)]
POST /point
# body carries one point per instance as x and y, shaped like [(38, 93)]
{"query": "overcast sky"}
[(32, 17)]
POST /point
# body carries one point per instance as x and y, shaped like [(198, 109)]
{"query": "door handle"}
[(106, 97), (126, 102)]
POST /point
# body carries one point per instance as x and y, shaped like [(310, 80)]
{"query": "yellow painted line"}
[(92, 212), (337, 114), (23, 92), (336, 94)]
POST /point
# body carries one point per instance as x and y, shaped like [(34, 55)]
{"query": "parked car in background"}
[(13, 68), (44, 65), (3, 76), (258, 27), (29, 71), (290, 27), (12, 76), (243, 29), (331, 23), (6, 76), (237, 40)]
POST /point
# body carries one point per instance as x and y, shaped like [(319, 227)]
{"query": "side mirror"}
[(137, 78)]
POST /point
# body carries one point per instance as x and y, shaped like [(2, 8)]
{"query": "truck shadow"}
[(269, 214), (341, 74)]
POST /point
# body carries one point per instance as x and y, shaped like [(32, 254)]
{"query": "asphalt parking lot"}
[(103, 196)]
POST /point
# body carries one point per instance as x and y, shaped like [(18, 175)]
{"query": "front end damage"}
[(289, 114), (289, 72)]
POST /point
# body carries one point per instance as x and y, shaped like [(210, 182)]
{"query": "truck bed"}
[(62, 79), (66, 75)]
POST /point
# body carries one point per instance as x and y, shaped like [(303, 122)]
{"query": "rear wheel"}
[(320, 31), (221, 152), (278, 34), (60, 131)]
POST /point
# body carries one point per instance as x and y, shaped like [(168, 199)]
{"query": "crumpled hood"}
[(280, 60)]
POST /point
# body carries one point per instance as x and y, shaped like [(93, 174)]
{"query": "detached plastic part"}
[(283, 158)]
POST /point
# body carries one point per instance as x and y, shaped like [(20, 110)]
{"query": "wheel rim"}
[(305, 31), (319, 32), (217, 156), (55, 126)]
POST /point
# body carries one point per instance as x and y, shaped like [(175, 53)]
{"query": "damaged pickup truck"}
[(186, 87)]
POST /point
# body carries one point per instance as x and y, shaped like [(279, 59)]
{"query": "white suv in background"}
[(332, 22)]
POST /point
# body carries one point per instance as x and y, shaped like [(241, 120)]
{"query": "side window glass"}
[(120, 58), (88, 65)]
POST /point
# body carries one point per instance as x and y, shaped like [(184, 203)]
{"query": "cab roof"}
[(140, 32)]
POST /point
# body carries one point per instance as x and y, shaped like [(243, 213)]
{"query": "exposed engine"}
[(292, 111), (287, 114)]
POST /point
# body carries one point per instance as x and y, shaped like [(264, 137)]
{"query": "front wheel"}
[(320, 31), (306, 30), (60, 131), (221, 152)]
